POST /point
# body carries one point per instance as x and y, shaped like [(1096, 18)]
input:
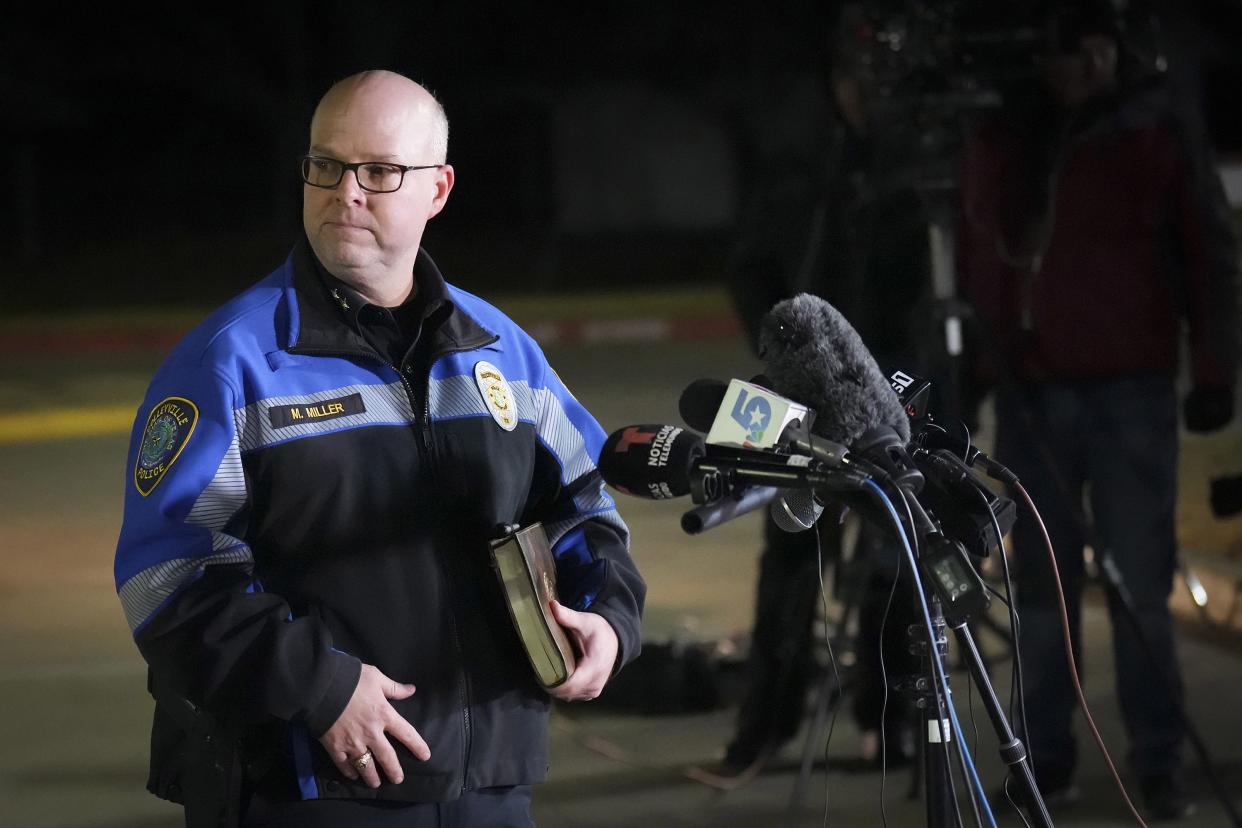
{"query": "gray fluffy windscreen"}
[(813, 356)]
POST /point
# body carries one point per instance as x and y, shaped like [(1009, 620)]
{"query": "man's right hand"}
[(363, 726)]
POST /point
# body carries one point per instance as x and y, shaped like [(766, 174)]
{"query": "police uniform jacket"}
[(296, 506)]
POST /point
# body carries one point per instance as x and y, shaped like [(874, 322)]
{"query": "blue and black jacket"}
[(297, 506)]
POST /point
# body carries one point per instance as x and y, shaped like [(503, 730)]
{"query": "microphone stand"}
[(717, 476), (1012, 751), (937, 729), (941, 796), (937, 733)]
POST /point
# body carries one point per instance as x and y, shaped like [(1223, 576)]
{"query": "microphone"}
[(934, 438), (663, 461), (913, 393), (711, 515), (965, 507), (700, 402), (815, 357), (651, 461), (796, 510), (712, 406), (709, 406), (751, 417), (793, 510)]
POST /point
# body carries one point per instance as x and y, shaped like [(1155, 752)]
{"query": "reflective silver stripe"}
[(221, 499), (594, 499), (562, 436), (144, 593), (454, 397), (559, 529), (569, 448), (459, 396), (384, 404)]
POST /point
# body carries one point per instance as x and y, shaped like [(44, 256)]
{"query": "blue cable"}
[(939, 668)]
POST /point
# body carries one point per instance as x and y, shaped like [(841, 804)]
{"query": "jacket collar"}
[(319, 323)]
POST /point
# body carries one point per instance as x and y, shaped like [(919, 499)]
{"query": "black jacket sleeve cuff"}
[(628, 642), (328, 709)]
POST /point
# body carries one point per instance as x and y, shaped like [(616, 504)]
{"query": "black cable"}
[(913, 534), (997, 594), (970, 705), (1009, 796), (970, 687), (966, 452), (1014, 630), (884, 704), (832, 660)]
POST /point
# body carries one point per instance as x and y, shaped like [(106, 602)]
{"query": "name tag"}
[(283, 416)]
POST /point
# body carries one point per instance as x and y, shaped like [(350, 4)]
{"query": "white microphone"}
[(752, 417)]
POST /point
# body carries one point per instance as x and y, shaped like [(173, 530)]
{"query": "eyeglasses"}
[(373, 176)]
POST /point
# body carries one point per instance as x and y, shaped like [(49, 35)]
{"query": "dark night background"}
[(151, 157)]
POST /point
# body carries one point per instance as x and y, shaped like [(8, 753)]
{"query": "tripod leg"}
[(1120, 595), (1012, 751)]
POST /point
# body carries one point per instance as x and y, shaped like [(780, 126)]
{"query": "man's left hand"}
[(596, 642)]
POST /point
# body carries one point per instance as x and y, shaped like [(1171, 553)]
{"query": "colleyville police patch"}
[(497, 395), (169, 427)]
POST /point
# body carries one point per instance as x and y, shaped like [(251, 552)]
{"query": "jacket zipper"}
[(467, 728), (428, 464), (425, 447)]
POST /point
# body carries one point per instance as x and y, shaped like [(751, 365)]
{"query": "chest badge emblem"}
[(497, 395)]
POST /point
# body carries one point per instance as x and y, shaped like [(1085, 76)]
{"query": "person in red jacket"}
[(1095, 227)]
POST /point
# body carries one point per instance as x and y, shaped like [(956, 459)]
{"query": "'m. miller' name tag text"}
[(283, 416)]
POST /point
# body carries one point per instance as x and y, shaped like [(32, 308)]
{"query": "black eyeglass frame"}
[(346, 168)]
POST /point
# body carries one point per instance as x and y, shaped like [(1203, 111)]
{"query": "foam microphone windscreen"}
[(651, 461), (700, 402), (813, 356)]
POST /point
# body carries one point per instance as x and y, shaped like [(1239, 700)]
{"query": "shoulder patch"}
[(169, 426), (497, 395)]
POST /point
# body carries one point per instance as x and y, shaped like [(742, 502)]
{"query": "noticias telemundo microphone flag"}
[(752, 417)]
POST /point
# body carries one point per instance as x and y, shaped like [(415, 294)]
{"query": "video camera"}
[(925, 68)]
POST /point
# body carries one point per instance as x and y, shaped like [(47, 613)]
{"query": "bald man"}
[(313, 480)]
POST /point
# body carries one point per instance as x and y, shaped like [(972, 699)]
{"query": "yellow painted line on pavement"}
[(64, 423)]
